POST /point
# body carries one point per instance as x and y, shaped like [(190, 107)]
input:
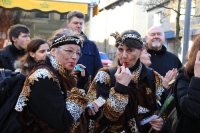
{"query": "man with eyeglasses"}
[(90, 54)]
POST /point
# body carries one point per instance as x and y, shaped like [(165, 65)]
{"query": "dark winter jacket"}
[(163, 61), (188, 97), (8, 55), (90, 57)]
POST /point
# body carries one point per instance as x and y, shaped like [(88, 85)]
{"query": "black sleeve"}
[(47, 102), (179, 63), (188, 95), (164, 95)]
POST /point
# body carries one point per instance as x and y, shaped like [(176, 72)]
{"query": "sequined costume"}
[(56, 102), (125, 107)]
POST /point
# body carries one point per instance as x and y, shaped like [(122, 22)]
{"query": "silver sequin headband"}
[(120, 39), (67, 40)]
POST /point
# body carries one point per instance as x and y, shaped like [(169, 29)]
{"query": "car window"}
[(103, 56)]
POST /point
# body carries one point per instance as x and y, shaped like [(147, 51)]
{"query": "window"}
[(63, 16), (157, 18), (41, 15)]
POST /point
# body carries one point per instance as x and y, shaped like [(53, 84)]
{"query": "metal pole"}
[(186, 30), (90, 23)]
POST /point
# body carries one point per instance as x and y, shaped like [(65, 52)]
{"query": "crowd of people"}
[(67, 90)]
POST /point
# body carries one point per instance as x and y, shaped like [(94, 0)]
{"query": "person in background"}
[(129, 100), (170, 75), (37, 50), (19, 36), (145, 57), (162, 62), (187, 98), (90, 57), (52, 94)]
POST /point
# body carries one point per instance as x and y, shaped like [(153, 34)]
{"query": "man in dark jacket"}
[(19, 36), (90, 57), (162, 60)]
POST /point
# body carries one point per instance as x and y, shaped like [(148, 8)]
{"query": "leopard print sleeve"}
[(116, 102), (76, 103), (115, 105)]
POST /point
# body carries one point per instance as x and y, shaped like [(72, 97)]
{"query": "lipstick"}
[(72, 64), (124, 64)]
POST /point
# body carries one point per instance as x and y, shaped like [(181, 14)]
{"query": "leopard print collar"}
[(60, 68), (136, 74)]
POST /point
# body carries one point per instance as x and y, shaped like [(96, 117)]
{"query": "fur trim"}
[(17, 64)]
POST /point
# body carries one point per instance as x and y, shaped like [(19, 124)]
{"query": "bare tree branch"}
[(9, 17)]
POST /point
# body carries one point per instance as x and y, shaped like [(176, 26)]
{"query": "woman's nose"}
[(124, 54)]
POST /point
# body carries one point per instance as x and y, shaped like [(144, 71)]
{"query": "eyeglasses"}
[(70, 52)]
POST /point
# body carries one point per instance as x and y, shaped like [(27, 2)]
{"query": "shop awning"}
[(169, 34), (45, 5)]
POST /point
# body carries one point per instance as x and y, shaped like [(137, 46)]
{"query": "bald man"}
[(162, 60)]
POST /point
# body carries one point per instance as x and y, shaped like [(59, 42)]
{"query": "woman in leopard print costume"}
[(130, 100), (52, 92)]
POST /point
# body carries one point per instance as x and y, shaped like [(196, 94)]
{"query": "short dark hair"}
[(75, 13), (15, 30)]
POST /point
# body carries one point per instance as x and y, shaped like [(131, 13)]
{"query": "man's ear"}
[(67, 23), (14, 39)]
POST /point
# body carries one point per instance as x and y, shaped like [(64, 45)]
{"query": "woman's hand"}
[(197, 66), (157, 124), (76, 72), (168, 77), (82, 76), (123, 75), (93, 111)]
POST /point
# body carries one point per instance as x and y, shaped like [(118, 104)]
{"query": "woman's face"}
[(41, 53), (145, 58), (128, 55), (68, 55)]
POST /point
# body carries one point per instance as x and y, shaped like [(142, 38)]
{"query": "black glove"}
[(82, 80)]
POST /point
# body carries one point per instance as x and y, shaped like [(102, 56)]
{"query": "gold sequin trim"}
[(39, 73)]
